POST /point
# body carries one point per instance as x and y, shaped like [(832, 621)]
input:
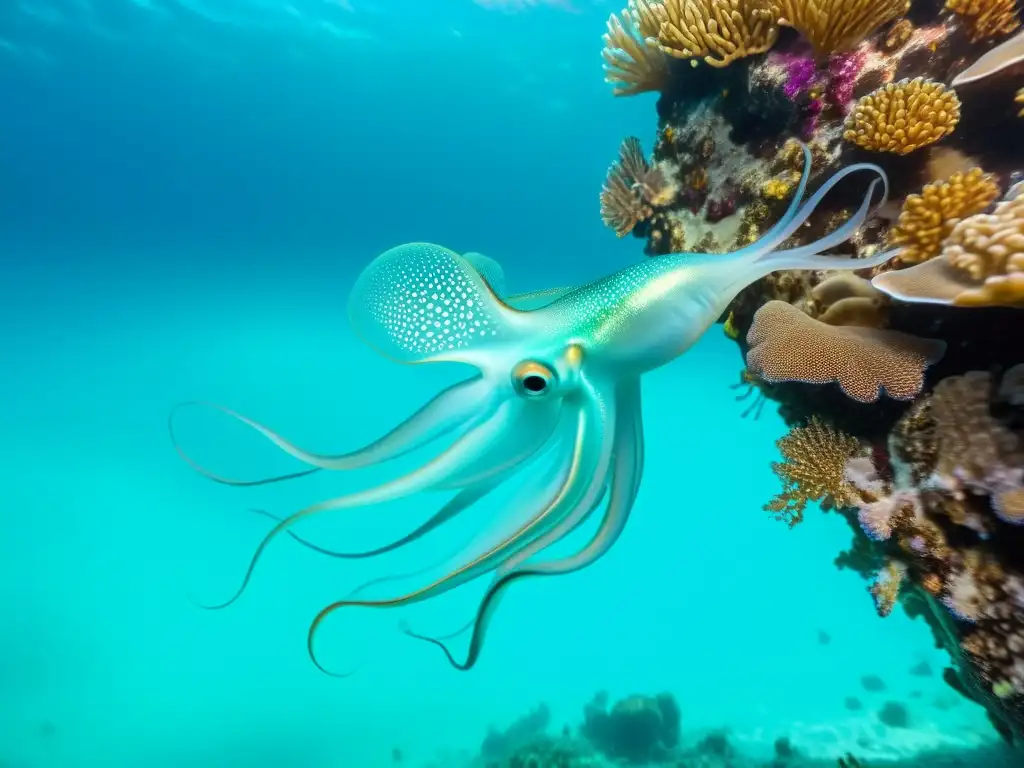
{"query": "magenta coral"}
[(843, 69)]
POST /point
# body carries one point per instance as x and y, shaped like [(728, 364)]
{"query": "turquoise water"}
[(187, 197)]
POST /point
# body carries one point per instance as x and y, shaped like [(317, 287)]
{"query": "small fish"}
[(853, 704), (824, 638), (396, 755)]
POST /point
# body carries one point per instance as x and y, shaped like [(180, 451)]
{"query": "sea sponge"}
[(928, 218), (719, 31), (903, 116), (981, 265), (835, 26), (813, 469), (631, 64), (985, 19), (787, 345), (845, 299)]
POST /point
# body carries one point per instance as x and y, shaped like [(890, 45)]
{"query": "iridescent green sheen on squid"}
[(556, 394)]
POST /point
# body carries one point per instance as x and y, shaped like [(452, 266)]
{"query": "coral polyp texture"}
[(904, 116), (812, 469), (903, 384), (986, 19), (928, 218), (717, 31), (836, 26)]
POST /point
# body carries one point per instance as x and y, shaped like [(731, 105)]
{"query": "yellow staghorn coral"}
[(787, 345), (631, 64), (904, 116), (835, 26), (813, 468), (986, 19), (927, 219), (719, 31), (981, 265)]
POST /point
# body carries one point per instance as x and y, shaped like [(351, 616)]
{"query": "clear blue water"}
[(187, 191)]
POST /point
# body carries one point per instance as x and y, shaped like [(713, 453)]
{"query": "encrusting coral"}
[(787, 345), (928, 218), (904, 116)]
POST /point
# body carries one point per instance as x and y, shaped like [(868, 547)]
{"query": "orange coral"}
[(904, 116), (787, 345), (718, 31), (985, 19), (812, 469), (835, 26), (928, 218)]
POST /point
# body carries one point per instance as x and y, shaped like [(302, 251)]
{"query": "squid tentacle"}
[(625, 483), (446, 412), (586, 461), (435, 472)]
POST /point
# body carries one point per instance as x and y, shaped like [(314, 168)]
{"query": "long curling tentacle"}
[(443, 414), (462, 501), (625, 484), (587, 460), (430, 475)]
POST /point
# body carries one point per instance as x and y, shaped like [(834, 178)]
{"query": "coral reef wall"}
[(903, 384)]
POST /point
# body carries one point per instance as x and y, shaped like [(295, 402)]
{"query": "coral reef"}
[(902, 385)]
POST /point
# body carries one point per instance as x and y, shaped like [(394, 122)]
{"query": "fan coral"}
[(904, 116), (986, 19), (632, 64), (719, 31), (982, 264), (928, 218), (787, 345), (814, 460), (1004, 55), (630, 184), (835, 26), (976, 451)]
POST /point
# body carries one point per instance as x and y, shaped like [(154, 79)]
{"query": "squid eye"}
[(532, 379)]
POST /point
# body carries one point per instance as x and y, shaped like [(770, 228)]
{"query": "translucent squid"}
[(556, 385)]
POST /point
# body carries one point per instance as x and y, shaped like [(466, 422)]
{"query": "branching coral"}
[(904, 116), (814, 460), (928, 218), (630, 188), (632, 64), (985, 19), (787, 345), (886, 587), (719, 31), (835, 26), (982, 264)]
